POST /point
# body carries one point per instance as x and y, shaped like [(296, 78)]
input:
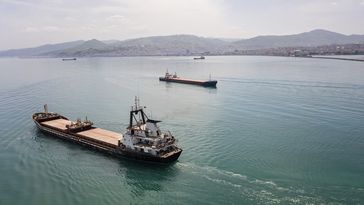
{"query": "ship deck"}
[(58, 123), (185, 80), (99, 134), (190, 80), (107, 136)]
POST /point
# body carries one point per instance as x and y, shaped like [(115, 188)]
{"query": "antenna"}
[(210, 77), (138, 89), (46, 108), (136, 103)]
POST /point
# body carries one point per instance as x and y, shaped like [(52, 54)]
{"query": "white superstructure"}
[(144, 135)]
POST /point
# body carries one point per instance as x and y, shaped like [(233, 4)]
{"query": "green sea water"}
[(275, 131)]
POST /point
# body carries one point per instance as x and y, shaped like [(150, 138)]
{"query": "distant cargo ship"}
[(69, 59), (199, 58), (143, 140), (174, 78)]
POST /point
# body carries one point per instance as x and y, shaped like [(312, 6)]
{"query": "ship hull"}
[(116, 152), (210, 83), (149, 158)]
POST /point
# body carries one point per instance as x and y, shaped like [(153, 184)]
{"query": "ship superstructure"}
[(144, 135)]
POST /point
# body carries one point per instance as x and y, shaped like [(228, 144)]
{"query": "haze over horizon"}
[(27, 24)]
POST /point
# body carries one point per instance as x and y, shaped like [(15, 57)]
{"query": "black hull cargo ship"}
[(143, 140), (174, 78), (69, 59), (199, 58)]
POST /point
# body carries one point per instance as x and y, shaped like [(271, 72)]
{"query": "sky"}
[(27, 23)]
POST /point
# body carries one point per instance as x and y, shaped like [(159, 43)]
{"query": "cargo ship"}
[(199, 58), (174, 78), (142, 140), (69, 59)]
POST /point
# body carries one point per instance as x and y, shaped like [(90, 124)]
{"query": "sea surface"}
[(276, 130)]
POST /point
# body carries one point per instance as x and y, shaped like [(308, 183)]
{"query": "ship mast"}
[(135, 111)]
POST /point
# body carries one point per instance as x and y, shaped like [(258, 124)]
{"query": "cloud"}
[(69, 18), (123, 19), (51, 28), (31, 29), (117, 18)]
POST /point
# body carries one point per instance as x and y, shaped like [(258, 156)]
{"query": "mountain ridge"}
[(182, 44), (316, 37)]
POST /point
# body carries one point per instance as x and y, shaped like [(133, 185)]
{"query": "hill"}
[(307, 39), (38, 51), (183, 45)]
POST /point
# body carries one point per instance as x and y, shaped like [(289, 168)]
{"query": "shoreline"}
[(337, 58), (317, 57)]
